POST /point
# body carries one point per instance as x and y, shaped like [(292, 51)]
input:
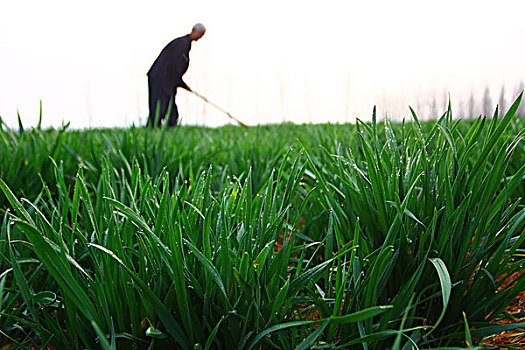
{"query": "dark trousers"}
[(160, 97)]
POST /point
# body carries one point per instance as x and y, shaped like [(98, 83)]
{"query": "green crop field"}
[(368, 236)]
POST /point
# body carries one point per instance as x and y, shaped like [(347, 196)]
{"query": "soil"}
[(514, 338)]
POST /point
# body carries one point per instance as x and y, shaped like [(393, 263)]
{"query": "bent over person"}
[(165, 76)]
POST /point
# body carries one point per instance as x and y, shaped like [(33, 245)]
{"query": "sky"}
[(265, 62)]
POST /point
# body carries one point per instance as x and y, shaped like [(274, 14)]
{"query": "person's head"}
[(197, 31)]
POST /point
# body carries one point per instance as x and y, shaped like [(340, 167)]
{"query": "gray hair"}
[(199, 28)]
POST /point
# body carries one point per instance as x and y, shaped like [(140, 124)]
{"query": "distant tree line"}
[(473, 106), (485, 106)]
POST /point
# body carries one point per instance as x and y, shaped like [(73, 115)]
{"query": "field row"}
[(375, 235)]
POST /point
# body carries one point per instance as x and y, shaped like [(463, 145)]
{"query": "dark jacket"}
[(172, 63)]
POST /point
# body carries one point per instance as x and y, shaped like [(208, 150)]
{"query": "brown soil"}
[(514, 338)]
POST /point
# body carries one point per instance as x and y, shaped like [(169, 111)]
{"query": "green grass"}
[(369, 236)]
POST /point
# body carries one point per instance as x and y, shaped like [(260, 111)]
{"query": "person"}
[(165, 76)]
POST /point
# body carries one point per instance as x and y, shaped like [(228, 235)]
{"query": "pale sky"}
[(263, 61)]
